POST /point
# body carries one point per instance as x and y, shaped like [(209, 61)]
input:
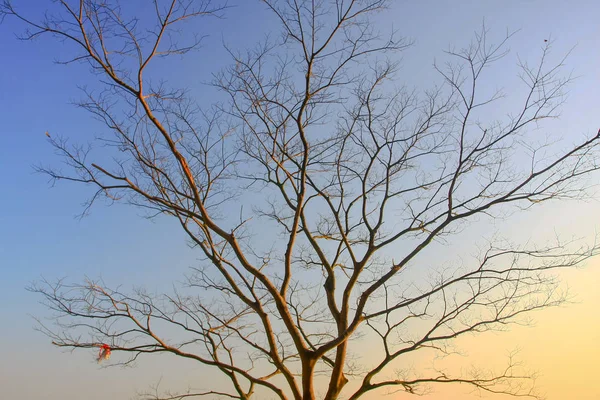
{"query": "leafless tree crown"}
[(299, 188)]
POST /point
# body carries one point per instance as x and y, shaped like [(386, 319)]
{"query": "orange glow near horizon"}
[(562, 346)]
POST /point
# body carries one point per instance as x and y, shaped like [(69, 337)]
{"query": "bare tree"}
[(350, 178)]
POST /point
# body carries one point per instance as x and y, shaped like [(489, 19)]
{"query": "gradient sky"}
[(40, 236)]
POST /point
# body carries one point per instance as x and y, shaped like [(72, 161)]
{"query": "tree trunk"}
[(338, 379), (308, 369)]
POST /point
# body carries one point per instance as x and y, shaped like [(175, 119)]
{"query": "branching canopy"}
[(298, 190)]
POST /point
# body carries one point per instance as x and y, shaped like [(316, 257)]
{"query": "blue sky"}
[(40, 236)]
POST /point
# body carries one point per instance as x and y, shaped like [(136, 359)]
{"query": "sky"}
[(40, 235)]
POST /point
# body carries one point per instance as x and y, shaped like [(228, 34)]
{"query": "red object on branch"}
[(103, 353)]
